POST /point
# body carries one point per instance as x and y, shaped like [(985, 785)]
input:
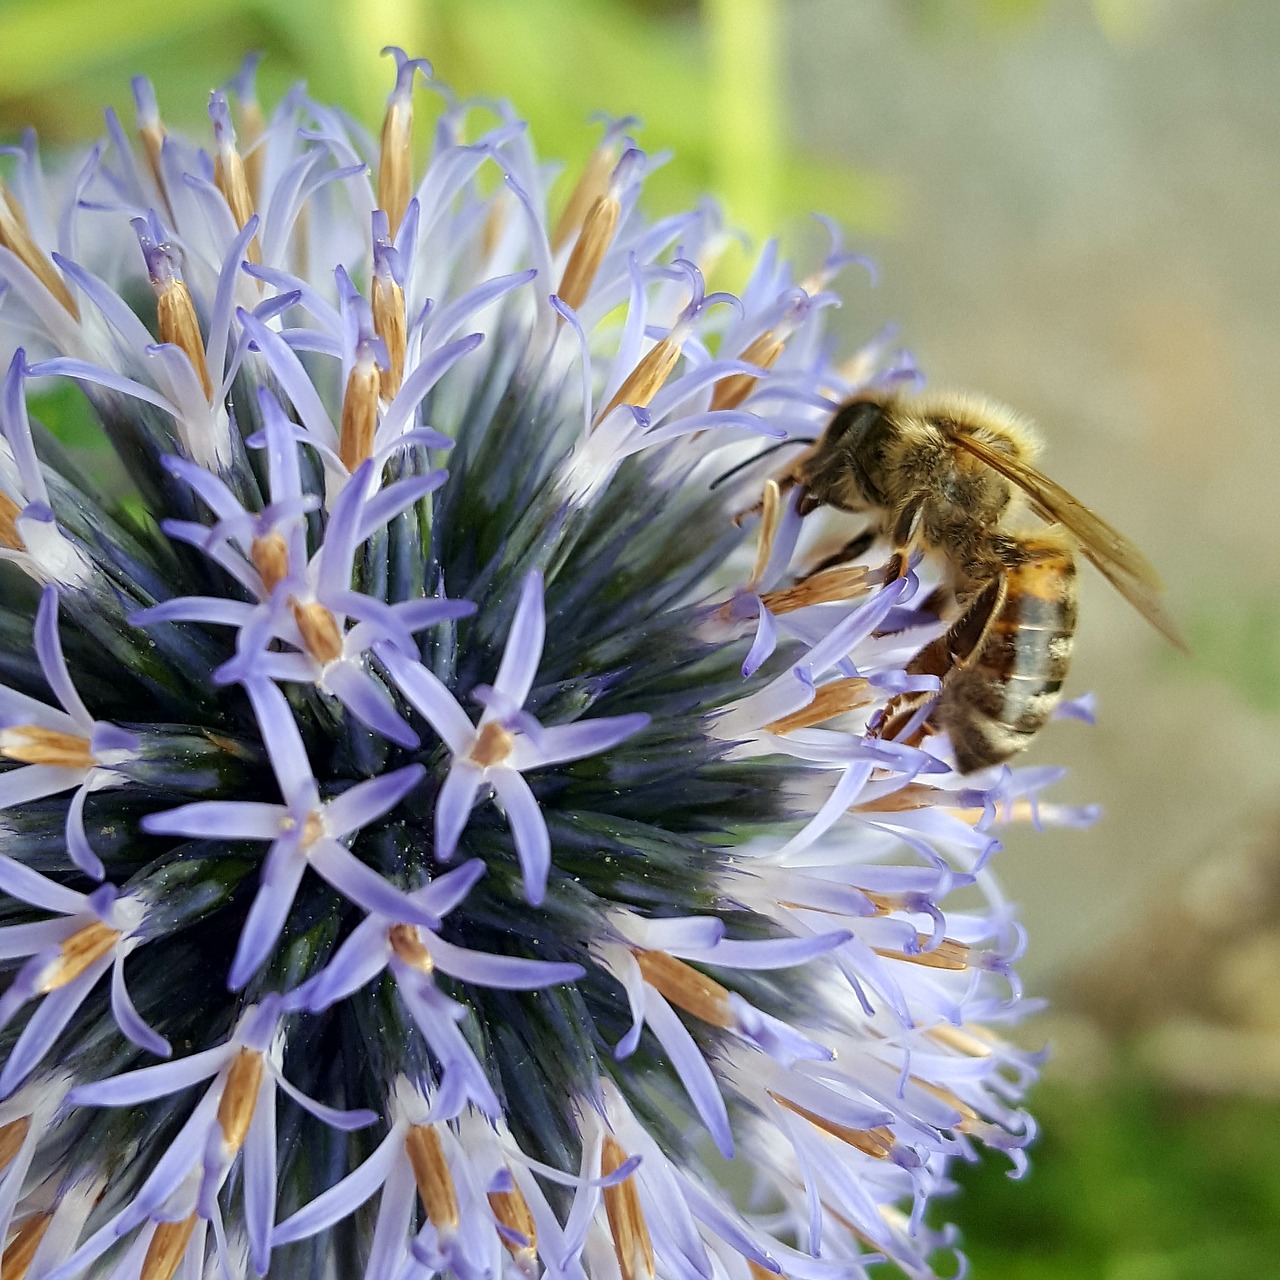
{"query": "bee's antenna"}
[(764, 453)]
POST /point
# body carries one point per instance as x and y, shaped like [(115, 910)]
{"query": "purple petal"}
[(369, 702), (431, 698), (219, 820), (448, 891), (210, 609), (633, 982), (523, 650), (529, 827), (27, 939), (281, 875), (419, 382), (367, 801), (293, 379), (282, 449), (224, 298), (17, 427), (52, 663), (453, 807), (463, 1078), (688, 1063), (148, 1083), (390, 1233), (284, 743), (334, 1117), (46, 1024), (21, 882), (361, 884), (560, 743), (34, 781), (83, 371), (388, 503), (343, 1198), (260, 1175), (763, 645), (361, 957), (341, 535), (78, 845), (772, 953), (509, 973), (129, 1020)]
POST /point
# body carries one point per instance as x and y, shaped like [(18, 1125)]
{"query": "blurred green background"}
[(1074, 206)]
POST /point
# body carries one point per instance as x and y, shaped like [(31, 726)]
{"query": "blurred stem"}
[(744, 37), (368, 27)]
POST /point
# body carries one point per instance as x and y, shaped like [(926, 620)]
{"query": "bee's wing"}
[(1106, 548)]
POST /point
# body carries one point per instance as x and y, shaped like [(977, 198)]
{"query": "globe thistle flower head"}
[(436, 836)]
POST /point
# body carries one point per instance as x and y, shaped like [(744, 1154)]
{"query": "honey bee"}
[(952, 474)]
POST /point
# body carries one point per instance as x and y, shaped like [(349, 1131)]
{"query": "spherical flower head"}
[(442, 829)]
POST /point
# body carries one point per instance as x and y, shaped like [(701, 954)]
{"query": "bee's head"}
[(843, 468)]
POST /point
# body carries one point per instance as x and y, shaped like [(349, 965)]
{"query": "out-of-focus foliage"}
[(1239, 641), (1130, 1182), (704, 79)]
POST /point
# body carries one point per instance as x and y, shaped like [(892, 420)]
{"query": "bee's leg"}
[(934, 659), (785, 483), (902, 536), (851, 550)]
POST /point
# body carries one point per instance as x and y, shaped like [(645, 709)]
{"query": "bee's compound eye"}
[(852, 418)]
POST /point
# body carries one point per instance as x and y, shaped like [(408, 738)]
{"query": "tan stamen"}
[(495, 223), (395, 162), (948, 954), (176, 318), (164, 1254), (312, 829), (320, 631), (763, 1273), (407, 943), (1020, 810), (593, 184), (647, 378), (31, 744), (431, 1173), (239, 1099), (831, 699), (969, 1039), (588, 253), (230, 179), (903, 800), (512, 1211), (770, 511), (492, 746), (270, 556), (846, 582), (15, 237), (391, 326), (152, 136), (252, 126), (685, 987), (12, 1136), (359, 414), (22, 1248), (78, 952), (9, 513), (731, 391), (876, 1142), (630, 1232)]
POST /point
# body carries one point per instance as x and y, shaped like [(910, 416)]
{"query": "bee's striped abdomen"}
[(994, 704)]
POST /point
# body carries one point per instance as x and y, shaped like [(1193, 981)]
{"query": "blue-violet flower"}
[(629, 949)]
